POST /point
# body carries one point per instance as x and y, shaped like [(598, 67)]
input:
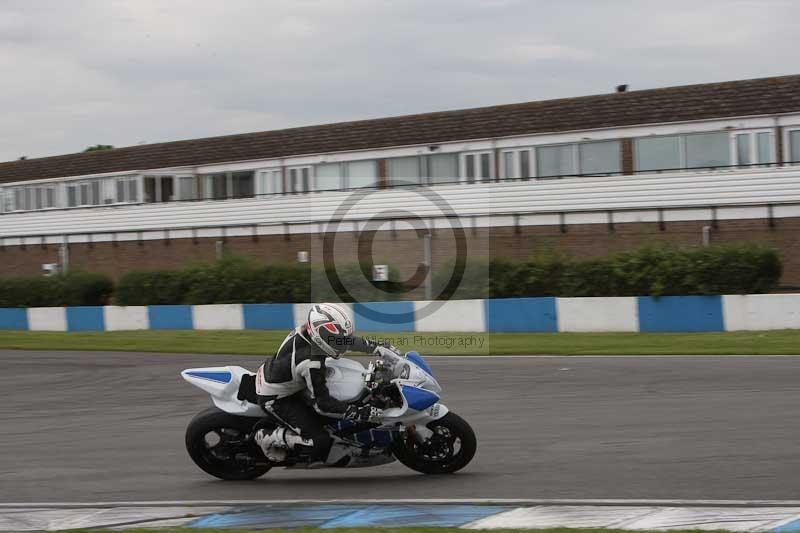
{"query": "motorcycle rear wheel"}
[(450, 449), (220, 444)]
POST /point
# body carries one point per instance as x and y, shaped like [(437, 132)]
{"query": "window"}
[(108, 193), (692, 151), (50, 197), (602, 157), (72, 195), (442, 168), (361, 174), (517, 163), (216, 187), (794, 146), (658, 153), (753, 148), (221, 186), (764, 147), (476, 167), (328, 177), (405, 170), (270, 181), (744, 153), (159, 189), (84, 193), (20, 199), (242, 184), (127, 190), (428, 169), (299, 179), (346, 175), (558, 160), (187, 188), (707, 150)]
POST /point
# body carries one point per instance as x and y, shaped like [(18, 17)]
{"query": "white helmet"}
[(330, 327)]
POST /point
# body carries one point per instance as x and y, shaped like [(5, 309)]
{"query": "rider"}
[(298, 366)]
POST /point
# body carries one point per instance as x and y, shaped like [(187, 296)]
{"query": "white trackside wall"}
[(761, 312), (597, 314)]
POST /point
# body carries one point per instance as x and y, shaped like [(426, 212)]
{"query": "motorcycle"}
[(414, 427)]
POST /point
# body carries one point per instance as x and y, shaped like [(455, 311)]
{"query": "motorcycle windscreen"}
[(420, 361)]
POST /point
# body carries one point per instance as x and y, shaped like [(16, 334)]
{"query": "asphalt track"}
[(109, 427)]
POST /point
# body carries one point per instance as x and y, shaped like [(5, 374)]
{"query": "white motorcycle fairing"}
[(222, 383), (347, 380)]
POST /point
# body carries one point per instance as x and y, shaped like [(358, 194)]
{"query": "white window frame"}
[(176, 187), (421, 179), (158, 190), (682, 153), (261, 180), (126, 181), (577, 157), (753, 139), (574, 154), (517, 162), (479, 178), (299, 169), (788, 156)]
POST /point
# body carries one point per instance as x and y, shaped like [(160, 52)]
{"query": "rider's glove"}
[(362, 413), (386, 345)]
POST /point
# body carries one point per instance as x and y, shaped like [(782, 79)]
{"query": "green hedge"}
[(648, 271), (74, 289), (239, 280)]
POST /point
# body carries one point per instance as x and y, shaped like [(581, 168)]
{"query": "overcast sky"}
[(78, 73)]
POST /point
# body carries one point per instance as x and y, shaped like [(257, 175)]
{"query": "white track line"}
[(480, 501)]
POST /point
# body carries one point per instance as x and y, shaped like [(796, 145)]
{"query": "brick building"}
[(589, 175)]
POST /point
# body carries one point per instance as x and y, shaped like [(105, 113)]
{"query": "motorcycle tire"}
[(446, 430), (220, 444)]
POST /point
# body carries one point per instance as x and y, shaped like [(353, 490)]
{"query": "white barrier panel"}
[(126, 318), (47, 319), (597, 314), (761, 311), (453, 315), (218, 316)]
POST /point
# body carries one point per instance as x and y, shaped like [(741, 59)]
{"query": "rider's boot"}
[(275, 444)]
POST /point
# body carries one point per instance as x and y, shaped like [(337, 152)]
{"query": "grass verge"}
[(782, 342)]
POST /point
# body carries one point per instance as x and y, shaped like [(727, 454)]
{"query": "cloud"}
[(126, 71)]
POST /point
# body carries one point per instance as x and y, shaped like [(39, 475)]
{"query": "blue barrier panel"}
[(680, 313), (170, 316), (90, 318), (384, 316), (268, 316), (13, 318), (521, 314)]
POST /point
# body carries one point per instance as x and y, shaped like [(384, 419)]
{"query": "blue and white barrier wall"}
[(634, 314)]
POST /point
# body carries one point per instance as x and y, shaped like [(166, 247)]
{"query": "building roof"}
[(762, 96)]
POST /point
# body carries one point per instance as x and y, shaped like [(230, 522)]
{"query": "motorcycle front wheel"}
[(220, 444), (451, 447)]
